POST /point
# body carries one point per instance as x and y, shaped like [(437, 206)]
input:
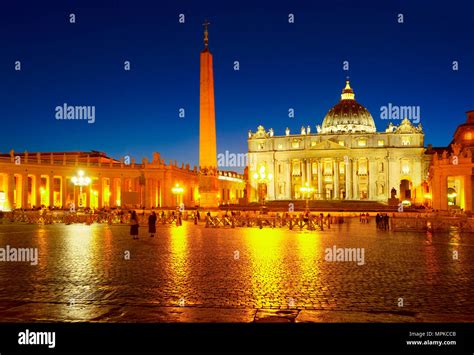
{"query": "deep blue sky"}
[(282, 65)]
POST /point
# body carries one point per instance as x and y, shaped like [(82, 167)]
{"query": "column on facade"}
[(10, 190), (38, 190), (320, 179), (308, 171), (348, 179), (372, 186), (24, 191), (467, 193), (147, 192), (288, 180), (51, 190), (303, 171), (336, 179), (113, 192), (355, 181), (100, 193), (88, 191), (271, 183), (443, 189)]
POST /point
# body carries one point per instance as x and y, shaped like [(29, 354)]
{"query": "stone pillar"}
[(113, 193), (100, 193), (348, 176), (38, 190), (320, 179), (24, 191), (372, 186), (51, 190), (467, 193), (288, 181), (303, 171), (64, 191), (355, 181), (308, 171), (147, 193), (336, 179), (10, 190)]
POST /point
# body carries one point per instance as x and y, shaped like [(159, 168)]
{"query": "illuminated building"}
[(451, 171), (47, 179), (343, 159)]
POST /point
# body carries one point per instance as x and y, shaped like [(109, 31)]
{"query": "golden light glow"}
[(42, 190), (255, 176), (177, 189), (306, 188)]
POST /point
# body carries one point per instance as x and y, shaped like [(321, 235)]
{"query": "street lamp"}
[(306, 189), (262, 178), (80, 181), (178, 191)]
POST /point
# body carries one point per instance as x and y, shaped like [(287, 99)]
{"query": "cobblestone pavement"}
[(194, 274)]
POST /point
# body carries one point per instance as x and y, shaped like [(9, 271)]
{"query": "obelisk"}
[(208, 187)]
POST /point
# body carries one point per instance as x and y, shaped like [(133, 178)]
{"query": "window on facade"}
[(380, 143), (280, 146), (261, 146), (328, 168), (405, 166), (468, 136), (296, 168), (295, 144), (313, 143), (406, 141), (363, 167), (362, 142), (341, 168), (341, 143)]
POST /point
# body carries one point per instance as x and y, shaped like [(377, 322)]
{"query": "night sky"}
[(282, 66)]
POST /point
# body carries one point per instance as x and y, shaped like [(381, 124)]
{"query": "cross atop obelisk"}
[(206, 33)]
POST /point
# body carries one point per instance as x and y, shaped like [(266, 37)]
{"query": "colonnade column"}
[(10, 190), (64, 191), (51, 190), (288, 181), (24, 191), (38, 190), (348, 175), (336, 179), (320, 179)]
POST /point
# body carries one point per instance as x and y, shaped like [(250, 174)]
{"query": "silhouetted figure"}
[(152, 224), (134, 225)]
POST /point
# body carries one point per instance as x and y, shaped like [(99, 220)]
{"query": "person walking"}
[(152, 224), (134, 225)]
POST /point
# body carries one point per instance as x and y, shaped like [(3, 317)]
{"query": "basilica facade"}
[(344, 159)]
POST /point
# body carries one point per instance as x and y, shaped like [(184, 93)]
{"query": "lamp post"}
[(306, 189), (178, 191), (80, 180), (262, 178)]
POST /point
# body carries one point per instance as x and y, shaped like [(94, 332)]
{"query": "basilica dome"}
[(348, 115)]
